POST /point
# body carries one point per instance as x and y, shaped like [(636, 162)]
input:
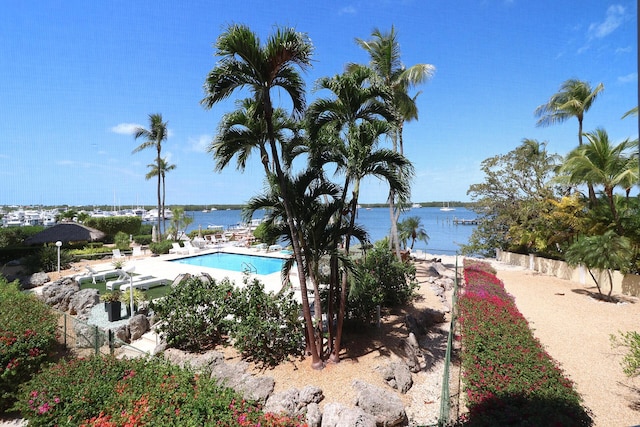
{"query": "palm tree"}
[(246, 63), (153, 172), (391, 74), (155, 135), (345, 130), (412, 228), (573, 100), (242, 131), (601, 163)]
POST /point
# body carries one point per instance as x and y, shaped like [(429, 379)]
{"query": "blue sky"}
[(76, 76)]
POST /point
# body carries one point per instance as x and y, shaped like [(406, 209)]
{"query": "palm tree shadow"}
[(390, 338)]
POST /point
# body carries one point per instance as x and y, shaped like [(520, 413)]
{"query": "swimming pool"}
[(235, 262)]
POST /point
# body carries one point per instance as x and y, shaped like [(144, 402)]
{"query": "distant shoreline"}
[(200, 207)]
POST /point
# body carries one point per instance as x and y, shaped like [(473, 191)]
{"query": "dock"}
[(459, 221)]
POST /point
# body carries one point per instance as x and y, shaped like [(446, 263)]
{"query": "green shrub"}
[(380, 279), (112, 225), (160, 248), (194, 314), (13, 236), (27, 337), (122, 241), (107, 392), (631, 360), (46, 259), (267, 328), (143, 239)]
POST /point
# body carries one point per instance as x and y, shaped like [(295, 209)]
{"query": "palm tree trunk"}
[(159, 200), (316, 361), (592, 194), (335, 355)]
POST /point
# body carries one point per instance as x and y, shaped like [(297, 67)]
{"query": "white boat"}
[(416, 206), (447, 208)]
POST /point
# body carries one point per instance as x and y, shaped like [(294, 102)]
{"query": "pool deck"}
[(161, 267)]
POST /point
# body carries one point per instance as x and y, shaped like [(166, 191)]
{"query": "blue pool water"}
[(235, 262)]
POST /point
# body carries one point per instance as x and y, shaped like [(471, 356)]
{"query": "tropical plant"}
[(599, 163), (121, 239), (135, 392), (161, 169), (412, 228), (631, 360), (345, 130), (516, 185), (113, 296), (605, 252), (27, 338), (379, 279), (179, 223), (195, 314), (155, 136), (267, 329), (574, 99), (246, 63), (46, 259), (397, 79)]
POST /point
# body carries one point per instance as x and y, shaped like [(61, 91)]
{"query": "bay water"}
[(445, 236)]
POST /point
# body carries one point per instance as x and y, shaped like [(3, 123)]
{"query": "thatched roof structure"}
[(66, 232)]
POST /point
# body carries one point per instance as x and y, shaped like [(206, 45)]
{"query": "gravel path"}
[(575, 330)]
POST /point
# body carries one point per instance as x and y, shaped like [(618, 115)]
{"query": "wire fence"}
[(446, 396), (84, 339)]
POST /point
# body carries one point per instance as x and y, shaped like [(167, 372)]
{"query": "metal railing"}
[(445, 395)]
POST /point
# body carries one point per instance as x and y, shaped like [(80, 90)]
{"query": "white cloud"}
[(627, 49), (616, 15), (347, 10), (200, 143), (125, 128), (629, 78)]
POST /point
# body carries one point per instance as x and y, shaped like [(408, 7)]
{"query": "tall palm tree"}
[(353, 117), (242, 131), (574, 99), (412, 228), (601, 163), (397, 79), (154, 137), (153, 172), (246, 63)]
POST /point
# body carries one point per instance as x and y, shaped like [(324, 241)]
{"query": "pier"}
[(458, 221)]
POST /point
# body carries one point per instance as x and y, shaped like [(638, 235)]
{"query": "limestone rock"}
[(138, 325), (387, 408), (34, 280), (82, 301), (122, 333), (397, 375), (58, 294), (337, 415), (411, 353), (313, 416), (196, 361)]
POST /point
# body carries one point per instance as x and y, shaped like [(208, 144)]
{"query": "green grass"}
[(151, 294)]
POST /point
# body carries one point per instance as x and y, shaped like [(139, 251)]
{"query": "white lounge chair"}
[(94, 275), (190, 248), (117, 255), (177, 249), (274, 248), (144, 284), (124, 279), (137, 251)]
